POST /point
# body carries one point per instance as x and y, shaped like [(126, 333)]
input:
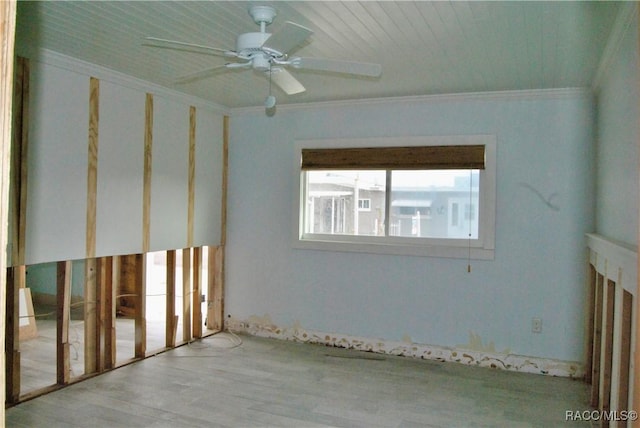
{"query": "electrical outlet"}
[(536, 325)]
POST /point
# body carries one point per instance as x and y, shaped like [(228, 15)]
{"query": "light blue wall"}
[(544, 140), (617, 148), (41, 278)]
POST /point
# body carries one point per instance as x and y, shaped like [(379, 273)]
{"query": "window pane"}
[(345, 202), (434, 204)]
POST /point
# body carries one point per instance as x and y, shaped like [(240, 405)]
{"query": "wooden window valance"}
[(407, 158)]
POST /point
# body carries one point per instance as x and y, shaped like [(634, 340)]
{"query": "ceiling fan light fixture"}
[(261, 62), (270, 102)]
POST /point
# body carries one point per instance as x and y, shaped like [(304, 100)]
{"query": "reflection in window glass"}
[(422, 204), (434, 204), (331, 206)]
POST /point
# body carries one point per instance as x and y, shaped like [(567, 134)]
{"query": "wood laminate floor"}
[(265, 382)]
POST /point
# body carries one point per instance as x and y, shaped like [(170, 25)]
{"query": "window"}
[(432, 196), (364, 204)]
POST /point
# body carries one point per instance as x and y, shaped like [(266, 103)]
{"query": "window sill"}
[(421, 250)]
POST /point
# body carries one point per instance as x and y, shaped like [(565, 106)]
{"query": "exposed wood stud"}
[(140, 310), (91, 345), (211, 285), (171, 322), (215, 263), (196, 292), (63, 364), (591, 301), (100, 313), (216, 322), (110, 322), (107, 314), (597, 342), (625, 351), (20, 143), (92, 169), (192, 175), (605, 402), (186, 294), (12, 343), (146, 190), (8, 359)]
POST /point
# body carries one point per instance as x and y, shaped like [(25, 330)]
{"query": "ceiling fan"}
[(268, 53)]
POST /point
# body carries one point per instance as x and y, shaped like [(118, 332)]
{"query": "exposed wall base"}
[(262, 327)]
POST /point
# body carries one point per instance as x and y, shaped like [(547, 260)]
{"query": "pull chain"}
[(471, 211)]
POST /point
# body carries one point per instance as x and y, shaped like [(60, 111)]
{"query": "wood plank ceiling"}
[(424, 47)]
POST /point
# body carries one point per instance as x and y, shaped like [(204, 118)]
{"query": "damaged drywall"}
[(475, 353)]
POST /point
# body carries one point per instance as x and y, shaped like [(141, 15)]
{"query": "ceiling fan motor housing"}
[(249, 47)]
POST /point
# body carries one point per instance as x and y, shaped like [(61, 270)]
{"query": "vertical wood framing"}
[(591, 302), (91, 338), (215, 306), (100, 313), (196, 292), (186, 294), (7, 36), (192, 175), (171, 323), (20, 143), (597, 342), (107, 321), (625, 351), (22, 219), (607, 363), (146, 190), (110, 344), (92, 169), (63, 314), (91, 295), (215, 290), (211, 285), (12, 343), (140, 310)]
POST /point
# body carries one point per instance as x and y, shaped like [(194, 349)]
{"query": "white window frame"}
[(367, 208), (481, 249)]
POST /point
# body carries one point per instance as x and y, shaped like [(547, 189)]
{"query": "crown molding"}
[(525, 94), (621, 26), (56, 59)]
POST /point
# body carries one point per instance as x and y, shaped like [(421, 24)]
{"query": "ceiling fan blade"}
[(189, 47), (338, 66), (202, 74), (285, 81), (286, 38)]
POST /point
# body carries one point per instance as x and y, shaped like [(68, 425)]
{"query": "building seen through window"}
[(422, 204)]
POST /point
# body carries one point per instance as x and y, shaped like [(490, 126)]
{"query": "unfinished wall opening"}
[(70, 320)]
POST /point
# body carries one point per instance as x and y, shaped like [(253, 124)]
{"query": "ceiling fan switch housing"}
[(261, 62)]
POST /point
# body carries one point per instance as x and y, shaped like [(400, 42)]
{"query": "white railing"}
[(611, 332)]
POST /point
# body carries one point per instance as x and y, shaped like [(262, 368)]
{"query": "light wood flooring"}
[(265, 382)]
